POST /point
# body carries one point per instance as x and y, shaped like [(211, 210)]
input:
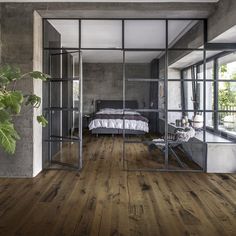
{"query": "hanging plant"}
[(11, 102)]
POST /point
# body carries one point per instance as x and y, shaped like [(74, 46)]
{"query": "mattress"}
[(113, 119)]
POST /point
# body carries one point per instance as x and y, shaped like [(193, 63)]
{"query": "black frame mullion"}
[(216, 90), (164, 50)]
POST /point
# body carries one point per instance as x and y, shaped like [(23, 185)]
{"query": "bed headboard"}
[(116, 104)]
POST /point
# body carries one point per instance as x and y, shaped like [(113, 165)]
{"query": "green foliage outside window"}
[(227, 94)]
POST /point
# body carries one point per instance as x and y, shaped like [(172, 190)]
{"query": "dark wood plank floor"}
[(104, 200)]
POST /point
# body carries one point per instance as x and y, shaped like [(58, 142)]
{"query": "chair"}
[(176, 139)]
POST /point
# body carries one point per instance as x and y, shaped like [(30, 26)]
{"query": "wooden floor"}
[(104, 200)]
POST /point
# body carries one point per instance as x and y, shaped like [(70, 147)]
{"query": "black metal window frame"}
[(230, 48), (166, 79)]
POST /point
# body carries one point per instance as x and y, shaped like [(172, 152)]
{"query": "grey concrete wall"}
[(104, 81), (222, 19), (17, 48)]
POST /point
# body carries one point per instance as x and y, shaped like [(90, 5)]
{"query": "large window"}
[(220, 100), (227, 93)]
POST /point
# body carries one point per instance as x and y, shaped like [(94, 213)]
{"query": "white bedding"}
[(118, 123)]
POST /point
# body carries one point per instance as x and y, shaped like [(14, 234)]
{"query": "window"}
[(227, 94), (220, 93)]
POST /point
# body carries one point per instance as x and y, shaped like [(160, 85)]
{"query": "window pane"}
[(227, 37), (227, 122), (227, 67), (61, 33), (101, 34), (145, 34), (209, 71), (185, 33), (227, 95)]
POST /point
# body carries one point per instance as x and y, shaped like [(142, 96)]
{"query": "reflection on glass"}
[(101, 34), (61, 33), (227, 122), (185, 33), (145, 34)]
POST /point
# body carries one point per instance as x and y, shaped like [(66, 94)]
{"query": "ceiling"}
[(108, 34), (138, 34), (196, 56)]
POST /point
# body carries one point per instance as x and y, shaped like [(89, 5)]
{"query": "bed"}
[(108, 118)]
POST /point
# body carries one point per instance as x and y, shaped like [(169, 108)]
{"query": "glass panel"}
[(209, 71), (227, 96), (62, 63), (61, 33), (145, 34), (179, 59), (65, 153), (102, 56), (144, 156), (188, 119), (185, 33), (227, 37), (65, 124), (210, 101), (227, 123), (102, 77), (210, 120), (227, 67), (142, 76), (190, 93), (185, 136), (101, 34), (141, 56)]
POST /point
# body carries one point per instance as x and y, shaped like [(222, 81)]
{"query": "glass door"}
[(64, 108)]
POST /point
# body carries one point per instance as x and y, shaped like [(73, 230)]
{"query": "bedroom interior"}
[(151, 76)]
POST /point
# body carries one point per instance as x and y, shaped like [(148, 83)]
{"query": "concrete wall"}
[(104, 81), (17, 48), (222, 19)]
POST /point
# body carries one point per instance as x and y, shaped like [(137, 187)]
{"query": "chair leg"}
[(176, 157)]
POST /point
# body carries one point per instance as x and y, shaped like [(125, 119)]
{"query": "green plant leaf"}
[(33, 100), (8, 137), (9, 73), (38, 75), (42, 120), (4, 116), (13, 101), (4, 81)]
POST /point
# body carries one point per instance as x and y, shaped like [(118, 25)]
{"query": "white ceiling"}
[(138, 34), (228, 36), (108, 34)]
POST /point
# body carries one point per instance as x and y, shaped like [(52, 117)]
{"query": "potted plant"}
[(11, 102)]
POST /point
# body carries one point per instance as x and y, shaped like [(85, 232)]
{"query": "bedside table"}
[(86, 120)]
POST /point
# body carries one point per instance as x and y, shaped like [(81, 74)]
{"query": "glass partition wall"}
[(164, 69)]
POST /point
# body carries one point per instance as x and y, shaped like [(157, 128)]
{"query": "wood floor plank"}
[(105, 200)]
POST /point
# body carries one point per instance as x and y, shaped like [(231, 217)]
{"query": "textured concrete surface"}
[(17, 48), (105, 81)]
